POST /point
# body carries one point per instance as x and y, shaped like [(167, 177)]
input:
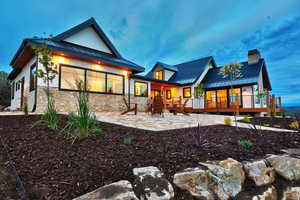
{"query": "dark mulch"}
[(8, 182), (283, 122), (52, 168)]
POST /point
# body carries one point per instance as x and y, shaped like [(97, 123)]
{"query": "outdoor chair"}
[(158, 106), (180, 109), (128, 109)]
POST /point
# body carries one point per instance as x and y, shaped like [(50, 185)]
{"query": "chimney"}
[(253, 56)]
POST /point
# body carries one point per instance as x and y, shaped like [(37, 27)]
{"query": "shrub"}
[(266, 125), (127, 141), (245, 143), (246, 119), (228, 121), (294, 125), (277, 126), (199, 135), (82, 124)]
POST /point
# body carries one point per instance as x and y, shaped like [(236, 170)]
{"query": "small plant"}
[(294, 125), (266, 125), (277, 126), (199, 136), (246, 119), (245, 143), (83, 124), (127, 141), (228, 121)]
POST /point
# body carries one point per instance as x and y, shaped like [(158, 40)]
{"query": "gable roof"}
[(185, 73), (88, 23), (166, 66), (250, 75)]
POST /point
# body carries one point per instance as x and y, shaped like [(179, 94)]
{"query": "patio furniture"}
[(158, 105), (180, 109), (128, 109)]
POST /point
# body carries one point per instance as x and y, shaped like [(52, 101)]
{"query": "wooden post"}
[(273, 104), (135, 109), (268, 105), (279, 104), (180, 101)]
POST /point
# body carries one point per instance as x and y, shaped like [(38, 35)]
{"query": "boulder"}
[(292, 152), (259, 172), (291, 194), (227, 177), (121, 190), (285, 166), (150, 184), (270, 194), (196, 181)]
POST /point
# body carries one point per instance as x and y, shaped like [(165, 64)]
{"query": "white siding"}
[(247, 96), (16, 102), (89, 38)]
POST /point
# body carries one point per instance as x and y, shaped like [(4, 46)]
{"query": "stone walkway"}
[(169, 121)]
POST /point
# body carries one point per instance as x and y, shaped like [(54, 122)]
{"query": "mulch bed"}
[(53, 169), (283, 122)]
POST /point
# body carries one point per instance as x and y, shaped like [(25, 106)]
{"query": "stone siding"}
[(65, 101)]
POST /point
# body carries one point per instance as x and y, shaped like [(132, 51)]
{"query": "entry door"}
[(22, 92)]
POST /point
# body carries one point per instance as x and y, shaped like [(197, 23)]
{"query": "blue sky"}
[(172, 31)]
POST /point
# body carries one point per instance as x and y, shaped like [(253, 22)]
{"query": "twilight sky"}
[(146, 31)]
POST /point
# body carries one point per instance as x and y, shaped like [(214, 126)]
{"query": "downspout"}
[(36, 88), (129, 90)]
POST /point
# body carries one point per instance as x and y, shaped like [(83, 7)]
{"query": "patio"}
[(168, 122)]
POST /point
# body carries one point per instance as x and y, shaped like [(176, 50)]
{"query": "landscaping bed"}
[(51, 168), (275, 122)]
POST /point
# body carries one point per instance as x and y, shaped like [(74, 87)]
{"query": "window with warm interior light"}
[(95, 81), (159, 75), (140, 89), (70, 77), (115, 84), (187, 92), (168, 94), (235, 95)]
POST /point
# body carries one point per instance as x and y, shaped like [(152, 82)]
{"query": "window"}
[(32, 78), (187, 92), (95, 81), (169, 94), (70, 77), (140, 89), (235, 96), (13, 90), (115, 84), (159, 75)]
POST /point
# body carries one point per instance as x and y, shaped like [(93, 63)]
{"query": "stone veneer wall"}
[(65, 101)]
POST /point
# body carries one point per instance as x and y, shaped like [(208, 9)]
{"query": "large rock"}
[(259, 172), (270, 194), (151, 184), (285, 166), (292, 152), (121, 190), (292, 194), (196, 181), (227, 176)]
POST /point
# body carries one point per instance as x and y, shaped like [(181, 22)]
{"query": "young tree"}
[(232, 71), (44, 57), (199, 91)]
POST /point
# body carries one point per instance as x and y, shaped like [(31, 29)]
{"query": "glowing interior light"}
[(61, 60)]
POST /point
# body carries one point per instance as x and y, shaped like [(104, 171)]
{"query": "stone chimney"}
[(253, 56)]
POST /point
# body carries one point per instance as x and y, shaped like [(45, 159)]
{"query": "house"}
[(85, 53)]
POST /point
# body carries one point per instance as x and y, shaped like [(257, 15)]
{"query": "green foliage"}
[(245, 143), (231, 71), (199, 91), (227, 121), (44, 56), (82, 124), (277, 126), (262, 94), (266, 125), (294, 125), (246, 119), (127, 141), (4, 89)]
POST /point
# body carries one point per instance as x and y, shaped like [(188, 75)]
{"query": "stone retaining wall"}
[(65, 101)]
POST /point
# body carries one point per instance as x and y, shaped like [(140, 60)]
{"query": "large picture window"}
[(115, 84), (141, 89), (187, 92), (70, 77), (93, 81)]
